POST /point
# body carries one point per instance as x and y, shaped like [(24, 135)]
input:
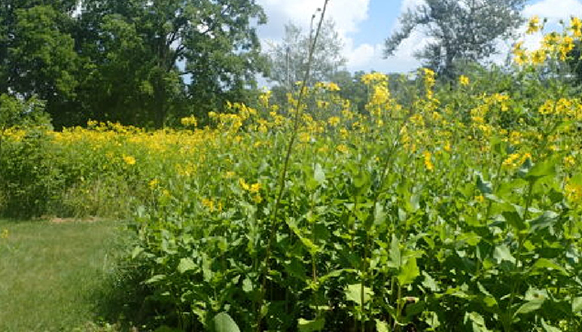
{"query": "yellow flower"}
[(189, 121), (332, 87), (257, 199), (154, 183), (129, 160), (428, 161), (534, 25), (569, 161), (464, 80), (576, 27), (333, 121), (573, 193), (480, 199), (255, 188), (243, 184), (342, 148), (208, 203), (4, 234)]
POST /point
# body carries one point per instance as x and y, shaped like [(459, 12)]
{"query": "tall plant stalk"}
[(274, 225)]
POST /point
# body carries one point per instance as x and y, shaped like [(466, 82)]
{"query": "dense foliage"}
[(460, 31), (137, 62), (459, 210)]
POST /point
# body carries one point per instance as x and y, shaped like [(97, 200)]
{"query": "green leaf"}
[(156, 278), (549, 328), (354, 293), (186, 264), (319, 174), (305, 325), (382, 326), (577, 305), (484, 187), (395, 254), (542, 169), (477, 322), (409, 272), (544, 263), (224, 323), (502, 253)]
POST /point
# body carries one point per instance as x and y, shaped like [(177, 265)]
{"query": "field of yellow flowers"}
[(457, 211)]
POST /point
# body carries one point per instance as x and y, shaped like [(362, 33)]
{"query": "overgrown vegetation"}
[(451, 208)]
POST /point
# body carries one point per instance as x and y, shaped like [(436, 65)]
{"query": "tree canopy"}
[(459, 30), (142, 62), (288, 59)]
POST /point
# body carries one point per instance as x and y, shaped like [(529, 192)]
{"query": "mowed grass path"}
[(53, 276)]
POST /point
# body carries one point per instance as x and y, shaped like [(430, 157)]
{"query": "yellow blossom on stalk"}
[(255, 188), (511, 161), (208, 203), (344, 133), (464, 80), (129, 160), (547, 108), (332, 87), (569, 161), (519, 54), (480, 199), (534, 25), (538, 57), (342, 148), (153, 184), (566, 46), (229, 175), (573, 193), (304, 137), (4, 234), (257, 199), (373, 78), (264, 98), (333, 121), (245, 186), (428, 161), (576, 27), (189, 121), (550, 41)]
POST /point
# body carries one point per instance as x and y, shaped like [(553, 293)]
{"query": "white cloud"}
[(554, 10)]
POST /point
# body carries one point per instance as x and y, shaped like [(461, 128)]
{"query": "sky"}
[(364, 25)]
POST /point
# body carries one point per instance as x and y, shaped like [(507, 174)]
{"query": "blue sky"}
[(365, 24)]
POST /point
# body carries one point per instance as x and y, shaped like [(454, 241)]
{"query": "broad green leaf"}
[(429, 282), (354, 293), (156, 278), (484, 187), (515, 220), (549, 328), (542, 169), (382, 326), (305, 325), (319, 174), (477, 322), (577, 305), (529, 306), (395, 254), (224, 323), (186, 264), (408, 272), (544, 263), (502, 253)]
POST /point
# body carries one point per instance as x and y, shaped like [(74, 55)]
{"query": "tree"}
[(288, 60), (166, 58), (459, 30), (142, 62)]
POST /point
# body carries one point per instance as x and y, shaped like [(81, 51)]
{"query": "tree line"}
[(151, 62)]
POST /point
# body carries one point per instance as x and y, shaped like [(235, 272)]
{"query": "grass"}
[(53, 276)]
